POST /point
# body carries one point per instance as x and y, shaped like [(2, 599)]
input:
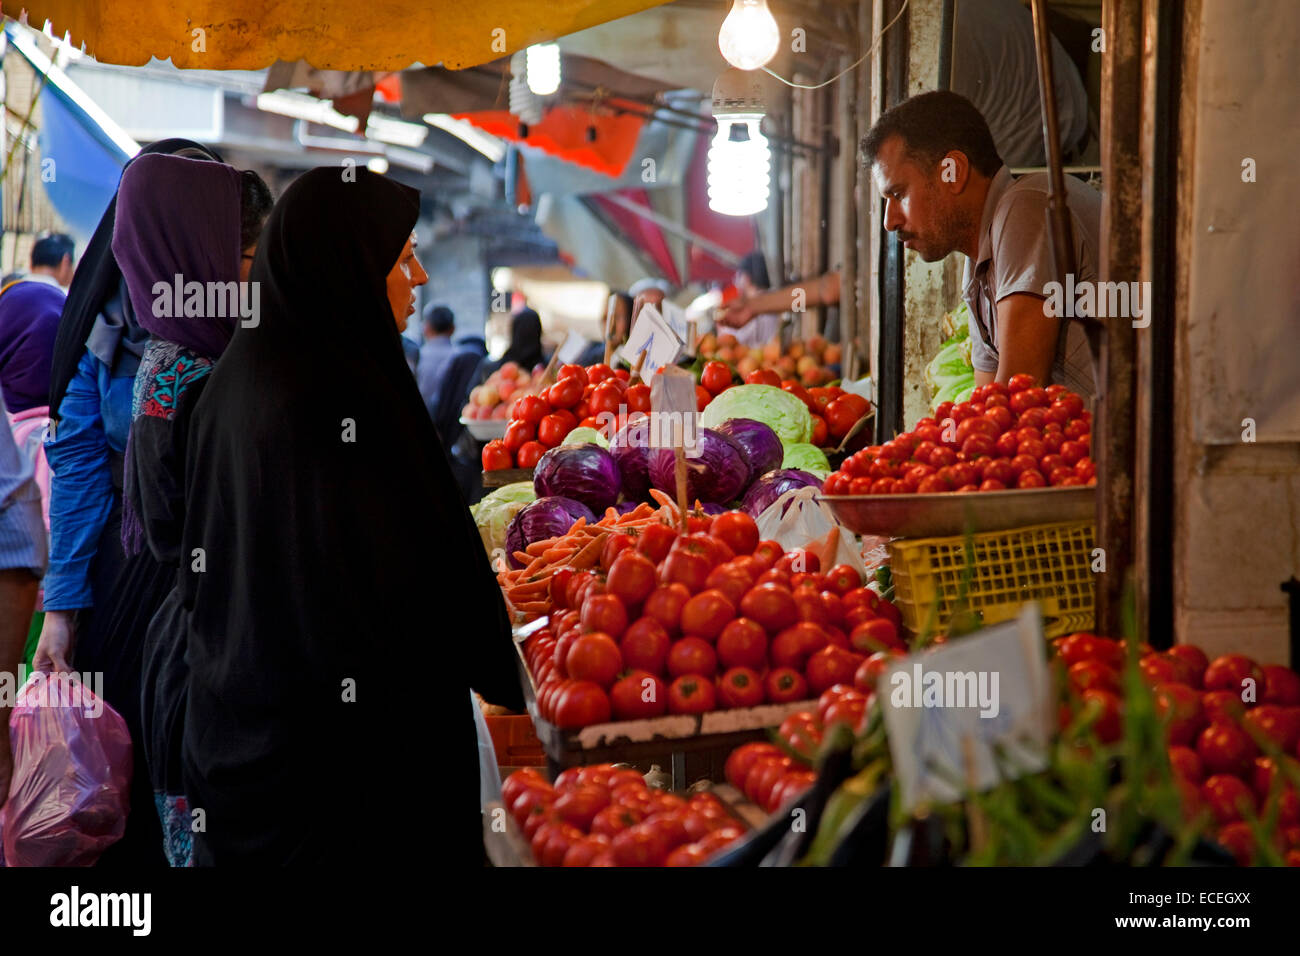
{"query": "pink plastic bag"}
[(68, 798)]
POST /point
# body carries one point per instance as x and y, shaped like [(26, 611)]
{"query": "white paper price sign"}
[(571, 348), (675, 316), (969, 714), (652, 333), (674, 418)]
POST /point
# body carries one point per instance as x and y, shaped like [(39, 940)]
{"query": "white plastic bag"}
[(807, 523)]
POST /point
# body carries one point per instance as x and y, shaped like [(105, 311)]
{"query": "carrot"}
[(588, 554), (639, 513), (534, 607)]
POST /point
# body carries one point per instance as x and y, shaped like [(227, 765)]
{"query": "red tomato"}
[(665, 605), (631, 575), (604, 612), (715, 377), (1230, 671), (531, 409), (1031, 478), (638, 398), (731, 581), (655, 541), (615, 544), (691, 693), (579, 806), (1225, 748), (763, 776), (1280, 725), (868, 673), (702, 398), (820, 431), (842, 579), (763, 376), (530, 453), (638, 696), (742, 643), (1180, 707), (605, 400), (580, 704), (768, 553), (496, 456), (616, 818), (1281, 686), (685, 568), (594, 657), (1157, 669), (640, 845), (1228, 798), (565, 393), (1222, 706), (1107, 706), (877, 634), (830, 666), (1094, 674), (793, 646), (692, 655), (737, 530), (1186, 764), (518, 433), (785, 685), (744, 757), (740, 687), (706, 614), (645, 645), (841, 415), (772, 606)]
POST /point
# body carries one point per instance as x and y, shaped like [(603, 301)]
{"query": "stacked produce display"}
[(497, 395), (594, 404), (1007, 436), (809, 363), (707, 620), (604, 815)]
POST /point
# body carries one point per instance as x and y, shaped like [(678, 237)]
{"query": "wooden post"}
[(1121, 260)]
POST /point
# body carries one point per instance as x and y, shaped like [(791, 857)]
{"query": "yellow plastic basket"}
[(1049, 563)]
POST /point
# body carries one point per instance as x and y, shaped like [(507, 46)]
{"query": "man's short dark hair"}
[(50, 249), (932, 125), (439, 319), (254, 206)]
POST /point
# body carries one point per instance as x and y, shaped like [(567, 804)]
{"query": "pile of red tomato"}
[(1006, 436), (771, 777), (707, 620), (578, 398), (606, 816), (834, 411), (1220, 717)]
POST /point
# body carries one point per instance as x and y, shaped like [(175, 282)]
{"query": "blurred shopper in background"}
[(439, 326)]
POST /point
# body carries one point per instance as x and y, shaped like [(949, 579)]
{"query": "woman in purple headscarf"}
[(177, 240)]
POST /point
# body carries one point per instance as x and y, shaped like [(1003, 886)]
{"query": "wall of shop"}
[(1237, 509), (458, 280)]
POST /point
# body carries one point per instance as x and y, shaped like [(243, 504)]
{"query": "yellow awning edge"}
[(328, 34)]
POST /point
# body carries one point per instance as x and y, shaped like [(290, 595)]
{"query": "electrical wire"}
[(852, 66)]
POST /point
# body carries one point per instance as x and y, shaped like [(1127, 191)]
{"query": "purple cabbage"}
[(773, 485), (585, 473), (544, 518), (718, 473), (630, 447), (760, 444)]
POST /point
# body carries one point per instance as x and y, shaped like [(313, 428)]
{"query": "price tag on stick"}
[(653, 335), (969, 714), (571, 349), (673, 423)]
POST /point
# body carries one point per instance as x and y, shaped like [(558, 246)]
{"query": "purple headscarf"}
[(178, 217)]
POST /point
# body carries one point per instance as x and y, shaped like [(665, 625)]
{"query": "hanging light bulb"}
[(739, 158), (543, 68), (739, 163), (749, 36)]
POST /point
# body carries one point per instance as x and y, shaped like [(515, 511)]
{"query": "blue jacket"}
[(85, 455)]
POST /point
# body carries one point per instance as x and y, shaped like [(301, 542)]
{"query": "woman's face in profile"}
[(403, 278)]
